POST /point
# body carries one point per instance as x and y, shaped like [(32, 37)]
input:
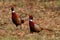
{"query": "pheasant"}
[(16, 18), (35, 27)]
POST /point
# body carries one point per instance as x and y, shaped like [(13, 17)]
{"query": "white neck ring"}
[(30, 20), (13, 11)]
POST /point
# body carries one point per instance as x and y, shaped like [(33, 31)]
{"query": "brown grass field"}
[(46, 13)]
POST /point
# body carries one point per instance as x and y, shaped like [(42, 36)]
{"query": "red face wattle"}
[(30, 17)]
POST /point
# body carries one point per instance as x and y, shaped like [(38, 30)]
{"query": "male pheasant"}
[(16, 18), (34, 27)]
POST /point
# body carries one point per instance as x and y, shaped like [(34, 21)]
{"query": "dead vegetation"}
[(46, 14)]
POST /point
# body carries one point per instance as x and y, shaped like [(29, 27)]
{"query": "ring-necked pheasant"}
[(16, 18), (35, 27)]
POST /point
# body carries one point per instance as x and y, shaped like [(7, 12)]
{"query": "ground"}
[(46, 14)]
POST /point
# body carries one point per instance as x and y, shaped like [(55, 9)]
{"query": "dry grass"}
[(46, 14)]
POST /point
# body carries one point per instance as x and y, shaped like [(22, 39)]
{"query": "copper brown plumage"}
[(16, 18), (34, 27)]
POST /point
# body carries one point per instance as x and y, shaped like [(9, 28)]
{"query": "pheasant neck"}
[(30, 20), (13, 11)]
